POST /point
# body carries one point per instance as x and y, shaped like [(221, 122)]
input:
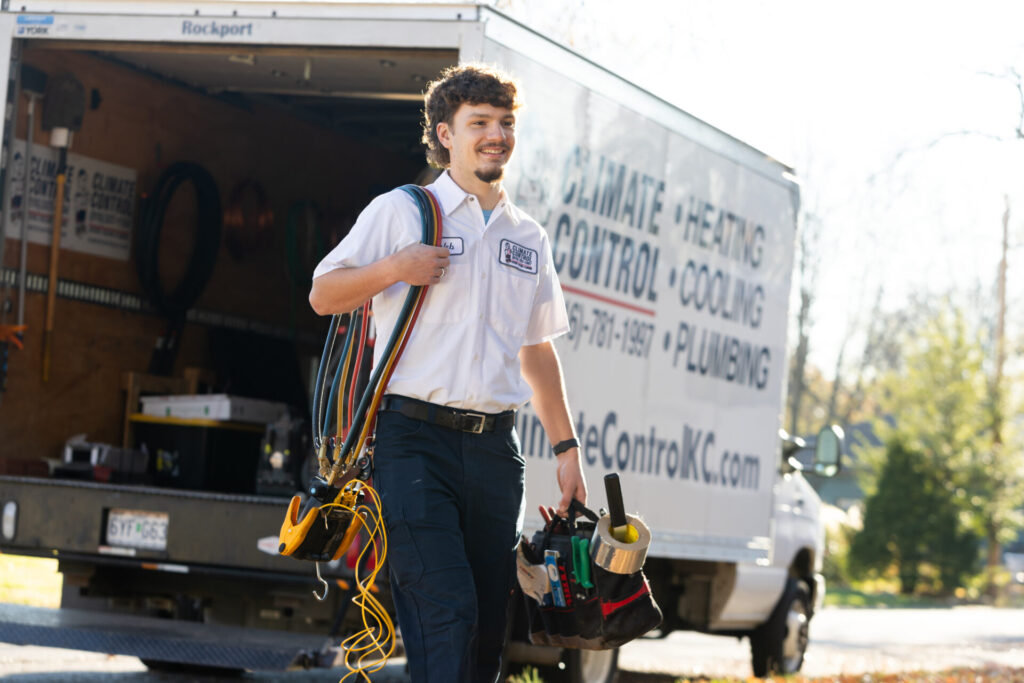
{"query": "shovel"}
[(63, 108)]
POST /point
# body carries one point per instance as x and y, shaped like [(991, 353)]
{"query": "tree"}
[(807, 260), (910, 521), (1000, 514), (939, 404)]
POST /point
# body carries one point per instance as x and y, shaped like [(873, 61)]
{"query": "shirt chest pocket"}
[(510, 301)]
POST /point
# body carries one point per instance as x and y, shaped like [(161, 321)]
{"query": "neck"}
[(488, 194)]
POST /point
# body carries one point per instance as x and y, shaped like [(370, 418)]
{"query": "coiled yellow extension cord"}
[(375, 643), (368, 650)]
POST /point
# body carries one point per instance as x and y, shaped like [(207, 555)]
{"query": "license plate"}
[(137, 529)]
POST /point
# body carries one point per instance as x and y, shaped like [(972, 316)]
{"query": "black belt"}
[(452, 418)]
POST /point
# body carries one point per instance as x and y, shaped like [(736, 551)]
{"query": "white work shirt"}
[(500, 292)]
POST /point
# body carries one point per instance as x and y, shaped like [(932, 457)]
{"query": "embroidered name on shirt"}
[(517, 256), (453, 245)]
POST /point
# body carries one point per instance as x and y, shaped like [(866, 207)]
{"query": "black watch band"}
[(563, 446)]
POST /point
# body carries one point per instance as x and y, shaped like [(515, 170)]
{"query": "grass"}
[(528, 675), (851, 597), (29, 581), (835, 596)]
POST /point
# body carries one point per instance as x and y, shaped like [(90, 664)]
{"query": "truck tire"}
[(778, 645)]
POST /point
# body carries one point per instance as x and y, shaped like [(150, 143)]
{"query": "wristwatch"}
[(563, 446)]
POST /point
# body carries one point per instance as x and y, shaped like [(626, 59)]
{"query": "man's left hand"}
[(570, 480)]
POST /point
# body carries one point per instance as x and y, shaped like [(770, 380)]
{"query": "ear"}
[(444, 134)]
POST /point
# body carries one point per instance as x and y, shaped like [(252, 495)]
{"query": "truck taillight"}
[(9, 521)]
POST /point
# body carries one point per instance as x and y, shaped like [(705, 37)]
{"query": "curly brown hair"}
[(457, 85)]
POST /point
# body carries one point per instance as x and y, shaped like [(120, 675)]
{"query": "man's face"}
[(480, 140)]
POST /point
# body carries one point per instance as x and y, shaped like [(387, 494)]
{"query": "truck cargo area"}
[(297, 141)]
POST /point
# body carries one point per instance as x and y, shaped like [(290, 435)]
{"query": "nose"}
[(496, 131)]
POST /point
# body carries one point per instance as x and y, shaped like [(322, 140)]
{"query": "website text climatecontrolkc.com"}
[(694, 455)]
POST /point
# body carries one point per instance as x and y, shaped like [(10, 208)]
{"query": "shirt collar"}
[(451, 197)]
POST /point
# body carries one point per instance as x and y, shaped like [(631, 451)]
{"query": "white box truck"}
[(673, 242)]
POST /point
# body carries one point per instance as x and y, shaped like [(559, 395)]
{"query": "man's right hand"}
[(420, 264), (344, 289)]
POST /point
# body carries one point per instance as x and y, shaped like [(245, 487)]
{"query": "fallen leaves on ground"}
[(979, 675), (991, 674)]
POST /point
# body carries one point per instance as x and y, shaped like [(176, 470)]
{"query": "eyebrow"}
[(484, 115)]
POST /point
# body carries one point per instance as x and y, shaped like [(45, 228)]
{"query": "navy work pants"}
[(453, 508)]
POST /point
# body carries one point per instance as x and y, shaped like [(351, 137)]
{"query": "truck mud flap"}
[(160, 639)]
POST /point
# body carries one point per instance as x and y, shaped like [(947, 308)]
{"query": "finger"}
[(563, 505), (545, 514)]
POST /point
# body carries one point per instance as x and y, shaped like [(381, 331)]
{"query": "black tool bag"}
[(602, 610)]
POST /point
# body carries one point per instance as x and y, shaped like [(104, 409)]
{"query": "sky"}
[(891, 113)]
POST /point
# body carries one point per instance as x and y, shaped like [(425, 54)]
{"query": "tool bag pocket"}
[(587, 607)]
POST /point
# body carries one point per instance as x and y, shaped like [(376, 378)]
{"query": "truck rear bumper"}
[(64, 517), (161, 639)]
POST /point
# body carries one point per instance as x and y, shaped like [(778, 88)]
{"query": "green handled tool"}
[(581, 561)]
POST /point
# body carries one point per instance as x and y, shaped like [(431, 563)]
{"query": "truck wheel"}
[(778, 645)]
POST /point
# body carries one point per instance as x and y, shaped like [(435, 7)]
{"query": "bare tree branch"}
[(942, 138), (1013, 75)]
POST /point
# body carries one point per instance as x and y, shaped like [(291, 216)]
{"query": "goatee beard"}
[(490, 175)]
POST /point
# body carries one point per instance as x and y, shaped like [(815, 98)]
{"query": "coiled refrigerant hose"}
[(176, 303)]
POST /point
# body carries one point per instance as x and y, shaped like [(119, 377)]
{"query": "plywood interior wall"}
[(146, 124)]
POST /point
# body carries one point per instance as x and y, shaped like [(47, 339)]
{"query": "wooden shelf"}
[(197, 422)]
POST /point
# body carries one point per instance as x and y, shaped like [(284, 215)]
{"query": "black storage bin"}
[(199, 456)]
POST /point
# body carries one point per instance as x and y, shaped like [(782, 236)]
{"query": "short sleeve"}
[(548, 319), (379, 231)]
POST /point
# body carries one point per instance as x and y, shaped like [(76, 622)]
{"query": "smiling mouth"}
[(493, 151)]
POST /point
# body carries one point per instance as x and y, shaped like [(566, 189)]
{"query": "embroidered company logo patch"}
[(453, 245), (517, 256)]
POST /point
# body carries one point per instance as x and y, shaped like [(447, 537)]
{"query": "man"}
[(447, 461)]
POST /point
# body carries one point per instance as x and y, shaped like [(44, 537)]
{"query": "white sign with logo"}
[(99, 202)]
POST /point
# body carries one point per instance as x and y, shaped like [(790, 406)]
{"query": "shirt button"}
[(484, 275), (472, 199)]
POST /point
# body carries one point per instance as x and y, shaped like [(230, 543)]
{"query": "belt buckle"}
[(479, 428)]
